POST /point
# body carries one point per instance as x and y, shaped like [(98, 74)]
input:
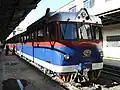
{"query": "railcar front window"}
[(89, 31), (69, 31), (84, 32), (75, 31)]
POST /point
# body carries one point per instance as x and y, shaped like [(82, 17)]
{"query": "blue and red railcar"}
[(66, 44)]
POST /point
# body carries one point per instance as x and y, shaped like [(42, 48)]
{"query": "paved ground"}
[(13, 70), (112, 62)]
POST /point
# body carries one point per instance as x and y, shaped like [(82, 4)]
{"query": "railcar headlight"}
[(66, 56), (101, 53)]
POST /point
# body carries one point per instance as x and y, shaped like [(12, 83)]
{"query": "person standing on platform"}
[(7, 50), (13, 52)]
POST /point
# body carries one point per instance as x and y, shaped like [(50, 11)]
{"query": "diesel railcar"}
[(64, 44)]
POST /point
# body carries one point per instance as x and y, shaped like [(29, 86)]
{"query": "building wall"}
[(111, 48), (94, 6), (101, 6), (76, 4)]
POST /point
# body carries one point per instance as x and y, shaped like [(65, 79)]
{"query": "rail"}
[(112, 70)]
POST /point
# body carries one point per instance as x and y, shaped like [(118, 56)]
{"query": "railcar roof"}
[(62, 16), (52, 16), (58, 16)]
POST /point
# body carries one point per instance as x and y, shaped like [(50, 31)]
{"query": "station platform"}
[(112, 61), (16, 74)]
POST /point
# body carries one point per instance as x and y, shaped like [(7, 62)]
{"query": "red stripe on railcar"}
[(29, 43), (65, 43)]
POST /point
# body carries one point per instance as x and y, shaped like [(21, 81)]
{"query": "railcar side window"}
[(52, 31), (24, 38), (35, 35), (40, 34), (32, 35), (19, 39), (28, 37), (97, 32)]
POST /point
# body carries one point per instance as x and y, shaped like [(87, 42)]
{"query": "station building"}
[(109, 12)]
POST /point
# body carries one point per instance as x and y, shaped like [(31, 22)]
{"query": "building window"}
[(113, 41), (72, 9), (107, 0), (88, 3), (113, 38)]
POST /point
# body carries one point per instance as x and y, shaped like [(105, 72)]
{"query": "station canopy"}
[(110, 17), (12, 12)]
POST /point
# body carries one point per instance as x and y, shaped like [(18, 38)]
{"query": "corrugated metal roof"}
[(110, 17), (12, 12)]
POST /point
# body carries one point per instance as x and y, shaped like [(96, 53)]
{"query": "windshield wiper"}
[(66, 25)]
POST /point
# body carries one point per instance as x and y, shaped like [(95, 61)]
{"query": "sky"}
[(41, 9)]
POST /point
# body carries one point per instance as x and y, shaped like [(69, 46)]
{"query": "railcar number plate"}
[(84, 65)]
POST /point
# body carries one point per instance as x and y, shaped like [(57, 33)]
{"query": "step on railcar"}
[(63, 44)]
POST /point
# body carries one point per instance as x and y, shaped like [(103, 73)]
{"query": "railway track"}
[(65, 85), (110, 74), (113, 74), (75, 86), (109, 78), (111, 70)]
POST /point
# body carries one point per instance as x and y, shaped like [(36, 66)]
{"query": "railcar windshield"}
[(78, 31), (69, 31)]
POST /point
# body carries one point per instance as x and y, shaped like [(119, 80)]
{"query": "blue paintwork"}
[(56, 55), (28, 50), (19, 47)]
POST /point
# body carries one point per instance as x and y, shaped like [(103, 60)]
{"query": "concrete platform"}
[(15, 72), (112, 62)]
